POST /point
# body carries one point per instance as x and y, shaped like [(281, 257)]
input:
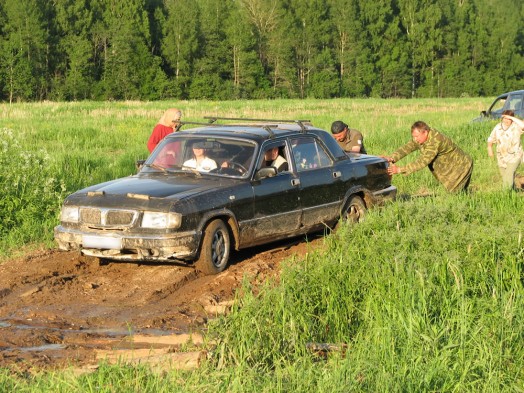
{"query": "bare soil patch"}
[(60, 309)]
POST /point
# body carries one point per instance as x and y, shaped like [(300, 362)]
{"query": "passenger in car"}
[(506, 135), (274, 159), (349, 139), (446, 161), (168, 155), (200, 161), (168, 123)]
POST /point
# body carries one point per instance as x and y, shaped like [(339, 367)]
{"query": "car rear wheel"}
[(216, 244), (355, 210)]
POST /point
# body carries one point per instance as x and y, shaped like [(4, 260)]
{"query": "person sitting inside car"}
[(200, 161), (167, 157), (274, 159)]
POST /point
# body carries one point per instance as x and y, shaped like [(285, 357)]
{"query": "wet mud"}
[(59, 309)]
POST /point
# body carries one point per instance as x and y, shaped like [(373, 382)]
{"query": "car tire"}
[(215, 249), (355, 210)]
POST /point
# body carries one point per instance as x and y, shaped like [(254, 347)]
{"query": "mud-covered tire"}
[(355, 210), (215, 249)]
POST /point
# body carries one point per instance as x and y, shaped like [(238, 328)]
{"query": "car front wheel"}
[(355, 210), (216, 244)]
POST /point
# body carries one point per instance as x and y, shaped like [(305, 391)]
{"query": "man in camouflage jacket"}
[(446, 161)]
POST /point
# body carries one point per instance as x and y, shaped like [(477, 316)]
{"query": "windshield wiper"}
[(156, 166), (192, 170)]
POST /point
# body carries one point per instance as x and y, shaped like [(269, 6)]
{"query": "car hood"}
[(156, 186)]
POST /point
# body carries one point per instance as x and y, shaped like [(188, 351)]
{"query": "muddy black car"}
[(209, 190)]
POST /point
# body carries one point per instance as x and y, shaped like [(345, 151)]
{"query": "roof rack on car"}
[(266, 127), (301, 123)]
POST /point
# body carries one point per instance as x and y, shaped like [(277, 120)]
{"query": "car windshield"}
[(498, 106), (198, 154)]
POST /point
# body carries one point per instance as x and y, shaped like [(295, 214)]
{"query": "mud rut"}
[(58, 309)]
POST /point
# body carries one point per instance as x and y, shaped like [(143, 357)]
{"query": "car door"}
[(276, 202), (321, 186)]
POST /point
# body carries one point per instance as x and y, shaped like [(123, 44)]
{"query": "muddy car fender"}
[(229, 219), (356, 202), (363, 193)]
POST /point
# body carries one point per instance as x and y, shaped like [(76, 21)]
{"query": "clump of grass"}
[(32, 194)]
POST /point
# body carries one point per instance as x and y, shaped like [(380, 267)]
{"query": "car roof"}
[(257, 133), (511, 92)]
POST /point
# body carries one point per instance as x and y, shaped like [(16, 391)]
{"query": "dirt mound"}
[(58, 308)]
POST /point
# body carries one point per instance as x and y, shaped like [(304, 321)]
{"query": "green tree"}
[(74, 20), (130, 70), (212, 70), (497, 54), (387, 50), (180, 43), (423, 24), (248, 73), (24, 50), (313, 48)]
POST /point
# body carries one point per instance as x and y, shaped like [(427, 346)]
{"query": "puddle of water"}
[(46, 347), (138, 336), (111, 332)]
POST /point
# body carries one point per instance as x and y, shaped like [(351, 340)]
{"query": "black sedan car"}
[(206, 191)]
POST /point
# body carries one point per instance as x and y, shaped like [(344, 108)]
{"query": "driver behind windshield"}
[(200, 161)]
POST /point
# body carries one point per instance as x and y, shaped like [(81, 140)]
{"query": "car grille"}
[(108, 218)]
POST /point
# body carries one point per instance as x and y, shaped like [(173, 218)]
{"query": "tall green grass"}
[(426, 293)]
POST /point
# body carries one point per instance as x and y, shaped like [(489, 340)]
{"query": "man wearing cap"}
[(349, 139)]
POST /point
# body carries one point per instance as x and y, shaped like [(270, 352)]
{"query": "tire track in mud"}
[(57, 308)]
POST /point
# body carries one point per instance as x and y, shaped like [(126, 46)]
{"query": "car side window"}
[(309, 154), (274, 155), (515, 102)]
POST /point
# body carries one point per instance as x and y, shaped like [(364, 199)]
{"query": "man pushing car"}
[(446, 161)]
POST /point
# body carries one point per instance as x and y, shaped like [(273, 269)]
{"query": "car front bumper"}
[(181, 246)]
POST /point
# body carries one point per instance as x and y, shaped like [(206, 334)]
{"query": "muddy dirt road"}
[(60, 309)]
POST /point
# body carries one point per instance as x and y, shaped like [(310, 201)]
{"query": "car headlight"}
[(157, 220), (70, 214)]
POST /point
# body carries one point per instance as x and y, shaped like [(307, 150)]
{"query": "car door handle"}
[(295, 182), (337, 174)]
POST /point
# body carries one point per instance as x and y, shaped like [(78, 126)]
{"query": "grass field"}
[(427, 292)]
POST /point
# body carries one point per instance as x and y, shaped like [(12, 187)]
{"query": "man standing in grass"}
[(349, 139), (446, 161)]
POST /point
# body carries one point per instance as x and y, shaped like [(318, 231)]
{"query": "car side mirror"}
[(139, 164), (483, 113), (262, 173)]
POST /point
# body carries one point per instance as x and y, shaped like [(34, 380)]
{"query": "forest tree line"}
[(231, 49)]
